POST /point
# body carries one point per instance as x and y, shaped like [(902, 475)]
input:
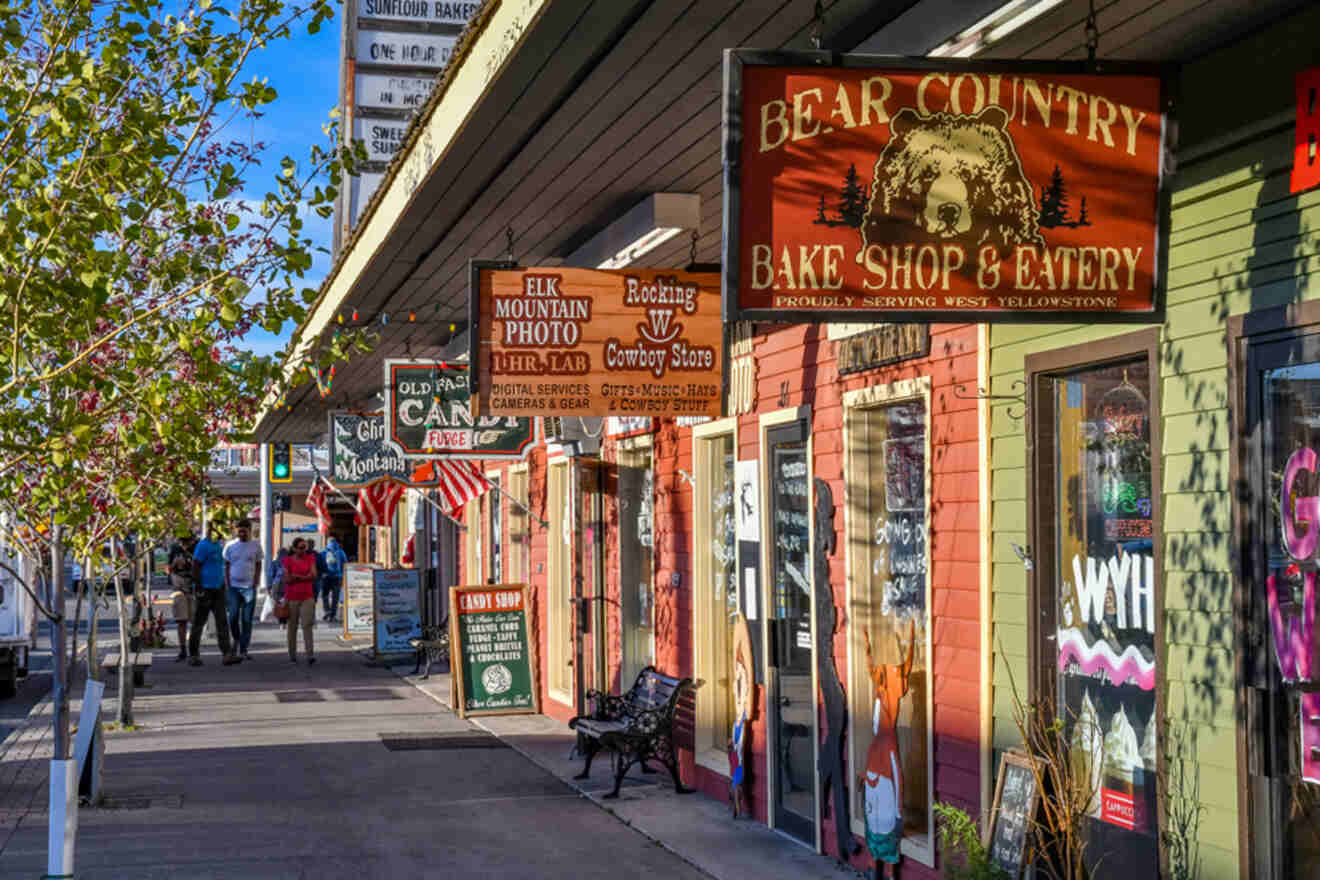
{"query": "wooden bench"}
[(634, 726), (431, 646), (141, 663)]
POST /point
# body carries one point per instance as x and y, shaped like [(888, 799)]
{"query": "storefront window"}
[(889, 589), (1103, 641), (1292, 440), (636, 499), (558, 589), (496, 529), (716, 593), (519, 525)]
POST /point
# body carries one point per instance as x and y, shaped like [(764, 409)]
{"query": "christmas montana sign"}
[(942, 190), (586, 342), (427, 402), (361, 453)]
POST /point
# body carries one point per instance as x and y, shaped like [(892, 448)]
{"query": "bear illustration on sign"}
[(951, 179)]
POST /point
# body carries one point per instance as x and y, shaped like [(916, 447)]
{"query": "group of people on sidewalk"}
[(211, 580)]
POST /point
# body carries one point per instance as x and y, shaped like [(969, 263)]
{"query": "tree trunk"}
[(60, 680), (93, 661), (97, 756), (125, 658)]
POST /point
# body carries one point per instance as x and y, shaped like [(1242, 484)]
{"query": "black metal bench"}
[(433, 645), (634, 727)]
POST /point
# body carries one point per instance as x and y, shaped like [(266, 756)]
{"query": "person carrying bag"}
[(300, 595)]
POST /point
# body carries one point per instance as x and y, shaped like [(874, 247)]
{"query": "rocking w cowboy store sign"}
[(942, 191)]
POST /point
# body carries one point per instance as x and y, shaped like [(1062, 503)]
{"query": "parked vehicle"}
[(18, 622)]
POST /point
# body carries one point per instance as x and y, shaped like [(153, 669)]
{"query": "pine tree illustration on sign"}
[(1054, 205), (851, 205), (852, 199)]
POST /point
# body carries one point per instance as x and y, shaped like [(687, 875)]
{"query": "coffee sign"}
[(430, 416), (949, 191), (586, 342), (361, 454)]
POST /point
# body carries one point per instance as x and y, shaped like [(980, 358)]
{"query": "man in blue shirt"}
[(209, 572), (335, 559)]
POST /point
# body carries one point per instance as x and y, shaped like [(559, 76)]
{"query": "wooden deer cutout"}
[(882, 783)]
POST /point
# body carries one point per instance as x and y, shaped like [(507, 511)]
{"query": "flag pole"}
[(525, 509), (440, 510)]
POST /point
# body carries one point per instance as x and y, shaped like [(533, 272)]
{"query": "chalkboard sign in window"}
[(887, 490), (490, 641), (1012, 813)]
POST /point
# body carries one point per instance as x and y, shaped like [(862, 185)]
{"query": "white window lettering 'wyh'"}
[(1133, 578)]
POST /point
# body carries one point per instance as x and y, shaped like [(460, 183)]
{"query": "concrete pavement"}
[(271, 770), (694, 827)]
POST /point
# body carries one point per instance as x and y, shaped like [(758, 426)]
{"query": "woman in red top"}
[(300, 595)]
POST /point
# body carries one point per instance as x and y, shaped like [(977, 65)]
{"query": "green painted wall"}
[(1239, 243)]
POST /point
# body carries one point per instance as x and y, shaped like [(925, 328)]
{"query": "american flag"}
[(377, 502), (458, 483), (316, 504)]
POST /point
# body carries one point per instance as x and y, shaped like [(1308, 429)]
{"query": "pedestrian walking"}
[(320, 569), (209, 572), (335, 559), (183, 587), (242, 572), (277, 584), (300, 596)]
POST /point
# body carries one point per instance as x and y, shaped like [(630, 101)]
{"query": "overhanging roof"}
[(556, 116)]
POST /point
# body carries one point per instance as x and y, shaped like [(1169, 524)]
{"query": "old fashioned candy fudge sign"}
[(959, 192), (429, 416), (586, 342)]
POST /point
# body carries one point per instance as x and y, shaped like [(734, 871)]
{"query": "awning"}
[(557, 116)]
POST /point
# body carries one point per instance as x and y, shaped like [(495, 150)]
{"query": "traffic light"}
[(281, 463)]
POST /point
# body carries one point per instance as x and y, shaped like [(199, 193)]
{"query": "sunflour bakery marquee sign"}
[(955, 191), (428, 11)]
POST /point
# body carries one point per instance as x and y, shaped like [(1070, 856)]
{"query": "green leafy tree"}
[(141, 237)]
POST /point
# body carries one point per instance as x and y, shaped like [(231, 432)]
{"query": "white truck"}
[(18, 621)]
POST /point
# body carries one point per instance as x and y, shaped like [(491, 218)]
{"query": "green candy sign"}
[(494, 668), (426, 404)]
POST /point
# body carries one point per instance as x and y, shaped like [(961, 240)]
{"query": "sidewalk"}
[(274, 771), (694, 827)]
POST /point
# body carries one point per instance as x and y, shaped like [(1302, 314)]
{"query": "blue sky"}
[(304, 70)]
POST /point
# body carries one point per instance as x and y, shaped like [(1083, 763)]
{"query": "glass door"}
[(1098, 648), (793, 706), (589, 591), (1282, 669), (636, 494)]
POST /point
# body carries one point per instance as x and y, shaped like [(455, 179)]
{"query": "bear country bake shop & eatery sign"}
[(429, 416), (587, 342), (969, 192)]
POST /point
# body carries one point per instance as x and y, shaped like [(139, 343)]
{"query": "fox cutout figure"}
[(882, 784)]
